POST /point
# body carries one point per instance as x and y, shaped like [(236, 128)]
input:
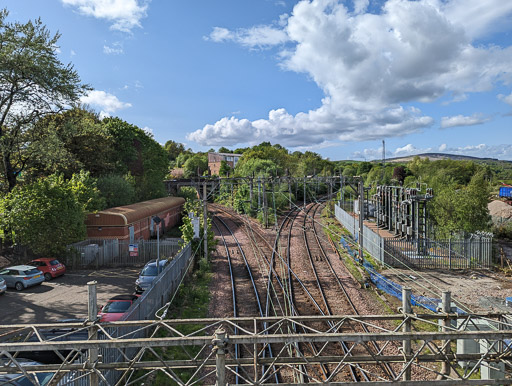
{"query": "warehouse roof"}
[(128, 214)]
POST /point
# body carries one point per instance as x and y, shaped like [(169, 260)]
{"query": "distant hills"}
[(441, 156)]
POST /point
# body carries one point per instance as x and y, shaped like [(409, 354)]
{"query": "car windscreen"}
[(30, 272), (149, 270), (112, 307), (54, 262)]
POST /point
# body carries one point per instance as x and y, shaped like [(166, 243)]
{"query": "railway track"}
[(287, 292)]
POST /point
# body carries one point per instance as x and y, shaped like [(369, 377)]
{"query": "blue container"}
[(506, 191)]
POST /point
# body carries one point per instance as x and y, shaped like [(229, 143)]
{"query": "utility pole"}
[(205, 221), (265, 213), (250, 192), (290, 192), (304, 192), (93, 332), (361, 218), (406, 344)]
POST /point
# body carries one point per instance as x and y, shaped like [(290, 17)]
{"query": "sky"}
[(329, 76)]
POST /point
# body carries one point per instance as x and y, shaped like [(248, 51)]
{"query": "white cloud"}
[(123, 14), (115, 49), (506, 98), (442, 147), (369, 66), (256, 37), (72, 53), (461, 120), (108, 103), (148, 131)]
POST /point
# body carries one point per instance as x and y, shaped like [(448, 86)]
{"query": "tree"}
[(196, 165), (69, 142), (225, 169), (33, 84), (116, 190), (399, 174), (173, 149), (48, 214), (224, 150), (138, 154)]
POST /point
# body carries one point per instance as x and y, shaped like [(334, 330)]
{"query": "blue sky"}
[(334, 77)]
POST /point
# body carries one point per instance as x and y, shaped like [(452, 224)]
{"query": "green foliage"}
[(193, 206), (116, 190), (140, 155), (182, 158), (225, 169), (196, 165), (67, 143), (48, 214), (34, 83), (464, 209), (224, 150), (173, 149)]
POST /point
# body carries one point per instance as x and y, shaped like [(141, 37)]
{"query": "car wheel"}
[(47, 276), (19, 286)]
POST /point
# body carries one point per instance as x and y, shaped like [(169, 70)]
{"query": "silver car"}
[(3, 286), (21, 276)]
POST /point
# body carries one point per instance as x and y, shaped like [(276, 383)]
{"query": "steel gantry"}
[(423, 349)]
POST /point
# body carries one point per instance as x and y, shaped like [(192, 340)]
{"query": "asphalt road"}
[(64, 297)]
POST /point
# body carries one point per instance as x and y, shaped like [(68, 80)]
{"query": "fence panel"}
[(154, 298), (460, 253), (94, 254)]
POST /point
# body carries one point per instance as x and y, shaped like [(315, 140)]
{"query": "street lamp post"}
[(157, 221)]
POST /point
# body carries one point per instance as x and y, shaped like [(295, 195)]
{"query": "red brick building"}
[(215, 159), (135, 221)]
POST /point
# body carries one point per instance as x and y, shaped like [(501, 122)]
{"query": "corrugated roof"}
[(128, 214)]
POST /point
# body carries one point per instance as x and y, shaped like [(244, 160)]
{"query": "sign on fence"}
[(134, 249)]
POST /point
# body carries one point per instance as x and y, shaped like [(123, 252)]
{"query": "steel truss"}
[(204, 354)]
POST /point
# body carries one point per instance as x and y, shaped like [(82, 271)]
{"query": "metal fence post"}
[(445, 324), (220, 343), (93, 334), (406, 309), (449, 253)]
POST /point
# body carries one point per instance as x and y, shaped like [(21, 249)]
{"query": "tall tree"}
[(140, 155), (33, 84), (173, 149)]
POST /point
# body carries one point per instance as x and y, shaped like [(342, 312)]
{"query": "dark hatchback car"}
[(148, 275)]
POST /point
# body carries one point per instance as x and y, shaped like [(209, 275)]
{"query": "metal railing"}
[(161, 291), (473, 252)]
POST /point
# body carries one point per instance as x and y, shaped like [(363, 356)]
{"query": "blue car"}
[(21, 276), (148, 274)]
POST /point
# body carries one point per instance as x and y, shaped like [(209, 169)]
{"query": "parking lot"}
[(64, 297)]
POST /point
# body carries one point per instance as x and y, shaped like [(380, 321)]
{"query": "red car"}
[(50, 267), (116, 307)]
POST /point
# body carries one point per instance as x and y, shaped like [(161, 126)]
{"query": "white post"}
[(93, 334)]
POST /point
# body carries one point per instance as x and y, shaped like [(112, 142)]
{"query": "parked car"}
[(21, 276), (148, 274), (21, 379), (51, 268), (3, 286), (55, 334), (116, 307)]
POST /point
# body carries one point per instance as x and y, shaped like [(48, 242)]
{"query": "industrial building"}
[(215, 159), (135, 221)]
